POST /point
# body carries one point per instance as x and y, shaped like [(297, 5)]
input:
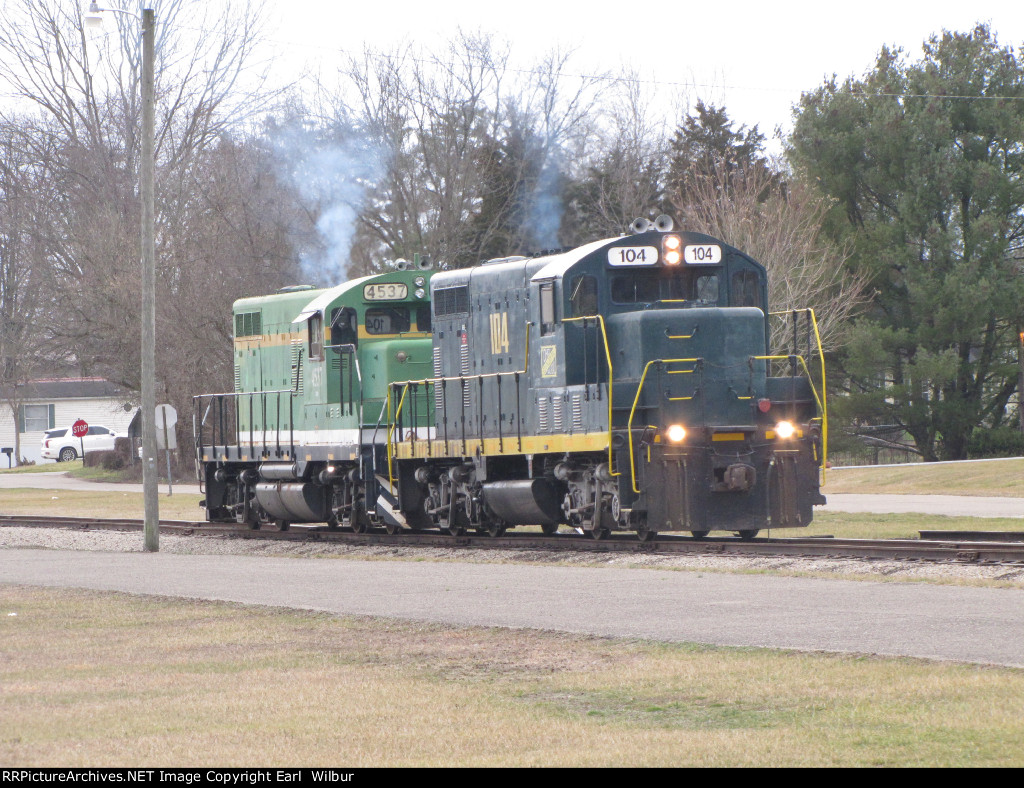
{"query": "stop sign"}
[(79, 428)]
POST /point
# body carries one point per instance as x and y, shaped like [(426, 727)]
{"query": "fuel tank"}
[(526, 502), (296, 502)]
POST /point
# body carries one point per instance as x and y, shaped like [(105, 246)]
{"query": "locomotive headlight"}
[(420, 292), (676, 433), (670, 249), (785, 429), (419, 281)]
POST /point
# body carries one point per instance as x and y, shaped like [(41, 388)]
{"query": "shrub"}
[(998, 442), (108, 460)]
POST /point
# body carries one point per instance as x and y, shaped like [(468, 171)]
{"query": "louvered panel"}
[(464, 370), (438, 392), (297, 382)]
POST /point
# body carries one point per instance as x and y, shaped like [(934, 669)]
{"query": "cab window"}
[(423, 318), (583, 296), (387, 320), (316, 336), (746, 290), (547, 308), (706, 289), (343, 326)]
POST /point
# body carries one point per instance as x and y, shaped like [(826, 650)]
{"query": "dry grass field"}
[(999, 478), (90, 679), (85, 503)]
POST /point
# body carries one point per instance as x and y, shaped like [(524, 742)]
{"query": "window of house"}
[(36, 418)]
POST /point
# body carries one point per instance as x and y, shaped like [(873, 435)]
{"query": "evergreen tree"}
[(924, 160), (706, 141)]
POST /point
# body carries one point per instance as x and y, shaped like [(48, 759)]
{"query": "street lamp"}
[(151, 529)]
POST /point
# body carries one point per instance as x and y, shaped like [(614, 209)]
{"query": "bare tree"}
[(623, 177), (85, 136), (25, 281), (472, 151), (779, 224)]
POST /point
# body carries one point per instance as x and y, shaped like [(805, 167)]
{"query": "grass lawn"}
[(996, 478), (86, 503), (98, 679)]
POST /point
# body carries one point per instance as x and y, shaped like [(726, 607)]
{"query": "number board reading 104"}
[(394, 291), (702, 254), (633, 255)]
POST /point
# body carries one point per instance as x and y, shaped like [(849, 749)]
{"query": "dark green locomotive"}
[(623, 385)]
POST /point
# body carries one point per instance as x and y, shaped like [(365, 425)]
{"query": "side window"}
[(583, 296), (98, 431), (745, 290), (343, 326), (547, 308), (316, 337)]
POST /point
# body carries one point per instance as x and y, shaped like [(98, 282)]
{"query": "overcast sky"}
[(754, 58)]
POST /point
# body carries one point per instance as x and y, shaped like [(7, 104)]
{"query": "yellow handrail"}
[(611, 386), (823, 400), (636, 401)]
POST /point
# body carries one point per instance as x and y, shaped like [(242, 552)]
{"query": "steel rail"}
[(961, 549)]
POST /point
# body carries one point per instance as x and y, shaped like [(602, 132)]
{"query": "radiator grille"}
[(577, 411)]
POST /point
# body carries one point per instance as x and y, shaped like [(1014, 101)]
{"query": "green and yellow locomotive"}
[(295, 439)]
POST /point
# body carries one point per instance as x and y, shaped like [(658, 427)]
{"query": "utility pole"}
[(94, 18), (151, 529)]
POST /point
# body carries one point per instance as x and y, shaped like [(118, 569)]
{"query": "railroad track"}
[(962, 548)]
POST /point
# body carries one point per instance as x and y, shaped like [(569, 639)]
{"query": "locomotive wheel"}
[(645, 534), (332, 524), (746, 536), (493, 530), (282, 525), (600, 533), (357, 518), (700, 534), (392, 528), (549, 529), (459, 520)]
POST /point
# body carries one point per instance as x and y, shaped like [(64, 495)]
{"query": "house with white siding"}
[(60, 402)]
